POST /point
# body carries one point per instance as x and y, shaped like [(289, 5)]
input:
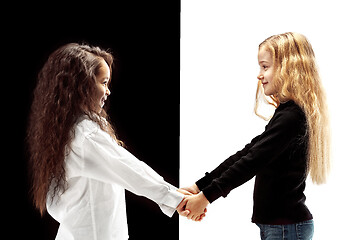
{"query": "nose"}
[(108, 92), (260, 77)]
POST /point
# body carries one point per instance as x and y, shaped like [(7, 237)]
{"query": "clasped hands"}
[(194, 204)]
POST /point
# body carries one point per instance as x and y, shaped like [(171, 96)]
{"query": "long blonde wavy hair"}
[(296, 78)]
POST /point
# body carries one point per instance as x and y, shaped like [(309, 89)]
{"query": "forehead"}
[(264, 55), (104, 70)]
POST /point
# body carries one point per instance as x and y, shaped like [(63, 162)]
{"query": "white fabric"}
[(98, 171)]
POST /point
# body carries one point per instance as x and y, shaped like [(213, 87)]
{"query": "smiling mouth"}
[(103, 102)]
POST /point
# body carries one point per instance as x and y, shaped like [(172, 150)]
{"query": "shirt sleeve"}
[(245, 164), (217, 172), (106, 161)]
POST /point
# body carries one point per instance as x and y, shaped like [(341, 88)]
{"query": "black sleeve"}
[(207, 179), (240, 167)]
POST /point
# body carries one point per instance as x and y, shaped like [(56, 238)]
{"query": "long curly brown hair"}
[(65, 91)]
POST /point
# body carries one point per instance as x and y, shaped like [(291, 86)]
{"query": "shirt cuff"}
[(212, 192), (172, 199), (204, 182)]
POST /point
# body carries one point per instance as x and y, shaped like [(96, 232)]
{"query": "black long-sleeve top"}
[(278, 159)]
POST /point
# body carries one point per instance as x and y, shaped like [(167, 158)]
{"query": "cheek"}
[(269, 75), (100, 90)]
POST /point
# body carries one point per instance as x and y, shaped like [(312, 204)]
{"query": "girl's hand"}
[(192, 189), (181, 208), (196, 204), (184, 191)]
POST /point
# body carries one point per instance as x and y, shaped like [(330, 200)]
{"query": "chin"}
[(268, 93)]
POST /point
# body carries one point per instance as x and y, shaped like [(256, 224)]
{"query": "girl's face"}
[(102, 82), (266, 71)]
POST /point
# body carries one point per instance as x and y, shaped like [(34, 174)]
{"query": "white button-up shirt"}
[(98, 171)]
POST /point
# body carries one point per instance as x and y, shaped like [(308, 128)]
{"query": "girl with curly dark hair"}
[(79, 168)]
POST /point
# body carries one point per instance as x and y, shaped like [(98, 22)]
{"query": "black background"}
[(144, 37)]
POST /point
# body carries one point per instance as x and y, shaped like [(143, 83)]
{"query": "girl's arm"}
[(106, 161), (207, 179), (278, 135)]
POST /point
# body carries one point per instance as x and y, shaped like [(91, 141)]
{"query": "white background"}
[(219, 43)]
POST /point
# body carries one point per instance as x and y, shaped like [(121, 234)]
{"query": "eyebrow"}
[(263, 61)]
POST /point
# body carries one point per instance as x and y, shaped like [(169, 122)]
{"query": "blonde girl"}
[(295, 143)]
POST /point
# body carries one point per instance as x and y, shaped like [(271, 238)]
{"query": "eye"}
[(265, 67)]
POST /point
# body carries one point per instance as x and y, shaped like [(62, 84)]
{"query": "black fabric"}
[(278, 159)]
